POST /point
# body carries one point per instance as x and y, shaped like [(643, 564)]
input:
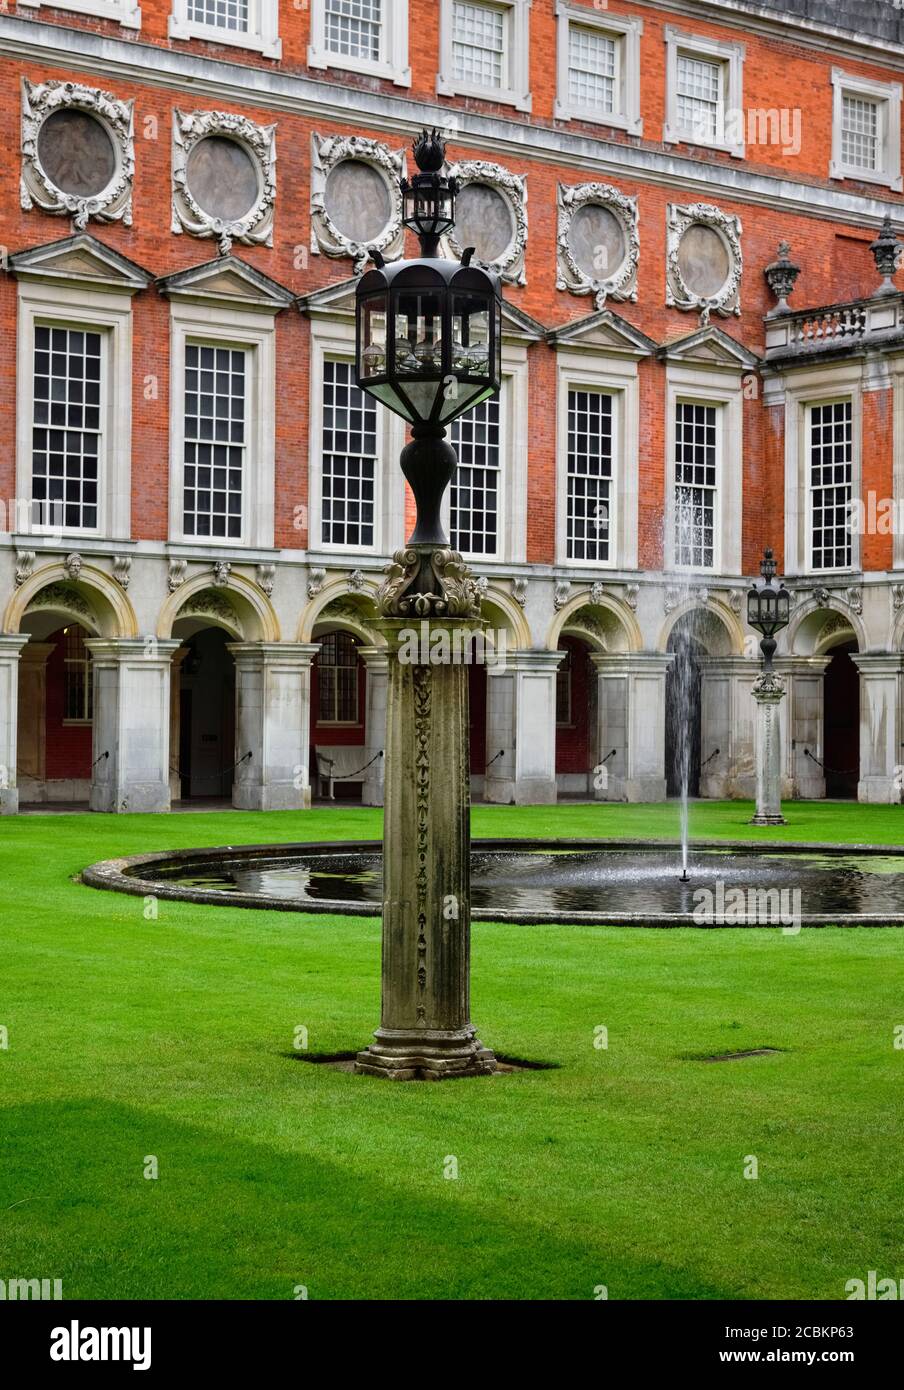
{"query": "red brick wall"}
[(835, 258)]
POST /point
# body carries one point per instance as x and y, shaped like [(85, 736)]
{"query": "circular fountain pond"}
[(531, 881)]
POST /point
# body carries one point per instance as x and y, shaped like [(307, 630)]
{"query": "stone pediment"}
[(227, 280), (604, 331), (80, 259), (710, 347), (338, 301)]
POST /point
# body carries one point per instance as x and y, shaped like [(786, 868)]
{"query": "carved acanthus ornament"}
[(513, 189), (678, 294), (255, 227), (41, 100), (428, 583), (617, 282), (326, 237)]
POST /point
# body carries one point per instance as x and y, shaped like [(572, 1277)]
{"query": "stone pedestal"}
[(10, 647), (631, 719), (130, 753), (768, 692), (881, 754), (377, 664), (425, 1025), (272, 723), (521, 722)]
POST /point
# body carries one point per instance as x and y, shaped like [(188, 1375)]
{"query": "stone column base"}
[(425, 1055), (768, 820)]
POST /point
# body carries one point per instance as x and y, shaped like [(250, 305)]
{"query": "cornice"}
[(222, 80)]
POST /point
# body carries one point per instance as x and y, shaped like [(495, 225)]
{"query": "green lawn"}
[(624, 1167)]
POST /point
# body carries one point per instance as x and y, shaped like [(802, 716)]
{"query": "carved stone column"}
[(521, 723), (272, 723), (175, 776), (768, 691), (428, 605), (880, 726)]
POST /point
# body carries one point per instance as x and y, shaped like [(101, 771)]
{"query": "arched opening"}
[(841, 705), (338, 716), (56, 714), (202, 749), (576, 718), (477, 726), (684, 709)]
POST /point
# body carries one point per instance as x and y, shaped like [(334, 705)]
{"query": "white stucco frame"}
[(332, 339), (262, 35), (393, 60), (803, 389), (887, 96), (124, 12), (511, 527), (110, 314), (594, 371), (730, 57), (515, 91), (699, 386), (227, 325), (626, 30)]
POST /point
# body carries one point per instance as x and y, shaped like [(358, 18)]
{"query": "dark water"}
[(607, 881)]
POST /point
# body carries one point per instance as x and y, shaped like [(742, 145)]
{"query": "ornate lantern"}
[(429, 341), (768, 607)]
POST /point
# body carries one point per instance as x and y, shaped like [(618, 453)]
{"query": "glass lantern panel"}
[(418, 333), (468, 395), (389, 395), (784, 606), (373, 337), (471, 335), (422, 395)]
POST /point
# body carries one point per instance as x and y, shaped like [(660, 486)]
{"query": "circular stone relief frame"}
[(513, 189), (678, 293), (41, 100), (326, 238), (259, 143), (621, 285)]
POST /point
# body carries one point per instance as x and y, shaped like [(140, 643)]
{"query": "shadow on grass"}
[(230, 1219)]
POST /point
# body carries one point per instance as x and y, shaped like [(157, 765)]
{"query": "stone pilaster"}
[(10, 647), (521, 723), (131, 747), (272, 723), (376, 661), (802, 718), (768, 693), (631, 706), (728, 725), (175, 777), (881, 726)]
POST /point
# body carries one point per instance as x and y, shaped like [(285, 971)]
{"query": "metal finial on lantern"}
[(428, 201)]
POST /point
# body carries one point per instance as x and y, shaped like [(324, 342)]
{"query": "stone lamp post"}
[(768, 611), (428, 347)]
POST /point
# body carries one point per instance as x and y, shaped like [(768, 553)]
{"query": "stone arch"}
[(606, 624), (91, 598), (353, 611), (820, 626), (497, 602), (240, 608), (718, 628)]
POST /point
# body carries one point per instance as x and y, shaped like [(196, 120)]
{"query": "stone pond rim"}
[(125, 875)]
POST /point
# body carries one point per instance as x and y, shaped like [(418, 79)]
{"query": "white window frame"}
[(262, 36), (593, 372), (887, 96), (110, 314), (516, 91), (697, 386), (331, 340), (124, 12), (804, 389), (730, 56), (393, 61), (626, 31), (232, 327), (807, 481)]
